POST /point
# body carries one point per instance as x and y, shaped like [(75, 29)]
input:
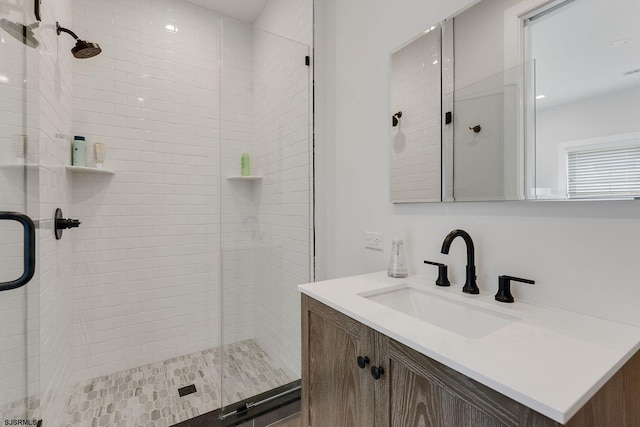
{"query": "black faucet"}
[(470, 286)]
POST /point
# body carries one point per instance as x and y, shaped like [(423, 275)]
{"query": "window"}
[(609, 172)]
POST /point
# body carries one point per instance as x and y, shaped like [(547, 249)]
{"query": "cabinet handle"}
[(376, 372), (363, 361)]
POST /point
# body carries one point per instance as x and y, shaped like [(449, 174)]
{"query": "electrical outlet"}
[(373, 240)]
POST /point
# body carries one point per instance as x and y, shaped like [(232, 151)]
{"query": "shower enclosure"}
[(176, 297)]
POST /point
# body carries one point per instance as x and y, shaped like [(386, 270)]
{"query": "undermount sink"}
[(455, 316)]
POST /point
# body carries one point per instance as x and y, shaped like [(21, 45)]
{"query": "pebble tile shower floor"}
[(147, 396)]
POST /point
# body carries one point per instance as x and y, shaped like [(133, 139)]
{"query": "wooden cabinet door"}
[(336, 392), (423, 392)]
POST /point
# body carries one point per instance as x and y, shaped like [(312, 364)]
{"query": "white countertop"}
[(550, 360)]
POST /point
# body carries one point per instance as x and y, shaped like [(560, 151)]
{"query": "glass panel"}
[(266, 221), (489, 136), (19, 308)]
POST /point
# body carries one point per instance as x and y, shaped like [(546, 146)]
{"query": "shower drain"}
[(187, 390)]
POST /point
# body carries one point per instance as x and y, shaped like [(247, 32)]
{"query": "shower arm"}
[(83, 49), (60, 29)]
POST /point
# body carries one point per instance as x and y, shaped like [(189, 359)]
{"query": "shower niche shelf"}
[(244, 178), (84, 169)]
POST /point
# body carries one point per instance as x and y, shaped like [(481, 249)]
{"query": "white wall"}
[(609, 114), (478, 157), (582, 255), (352, 42)]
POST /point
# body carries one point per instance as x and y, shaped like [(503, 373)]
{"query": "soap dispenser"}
[(397, 266)]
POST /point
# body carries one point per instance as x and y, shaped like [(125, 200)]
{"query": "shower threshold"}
[(263, 409)]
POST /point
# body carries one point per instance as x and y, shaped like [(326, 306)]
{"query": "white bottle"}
[(99, 153)]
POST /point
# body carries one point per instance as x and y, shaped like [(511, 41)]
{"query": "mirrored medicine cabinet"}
[(519, 100)]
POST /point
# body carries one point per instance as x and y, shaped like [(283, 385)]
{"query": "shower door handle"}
[(29, 250)]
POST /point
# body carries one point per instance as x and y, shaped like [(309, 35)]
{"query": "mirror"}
[(587, 125), (488, 153), (553, 90), (415, 122)]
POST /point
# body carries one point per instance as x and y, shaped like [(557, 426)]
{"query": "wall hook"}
[(476, 128), (395, 119)]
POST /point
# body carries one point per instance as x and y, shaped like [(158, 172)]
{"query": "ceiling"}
[(584, 48), (242, 10)]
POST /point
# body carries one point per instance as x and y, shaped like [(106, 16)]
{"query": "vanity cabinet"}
[(414, 390), (339, 392)]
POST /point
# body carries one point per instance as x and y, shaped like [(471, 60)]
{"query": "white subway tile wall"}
[(291, 19), (266, 227), (150, 233), (238, 202), (282, 143), (415, 142), (147, 254), (448, 67)]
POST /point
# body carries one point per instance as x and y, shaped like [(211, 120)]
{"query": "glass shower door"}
[(266, 217), (19, 290)]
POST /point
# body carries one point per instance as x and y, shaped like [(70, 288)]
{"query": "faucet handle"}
[(442, 280), (504, 287)]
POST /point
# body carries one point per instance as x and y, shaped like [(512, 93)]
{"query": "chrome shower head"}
[(82, 49), (20, 32)]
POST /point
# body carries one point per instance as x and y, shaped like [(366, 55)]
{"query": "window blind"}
[(604, 172)]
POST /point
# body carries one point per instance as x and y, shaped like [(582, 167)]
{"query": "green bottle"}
[(79, 151), (244, 165)]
